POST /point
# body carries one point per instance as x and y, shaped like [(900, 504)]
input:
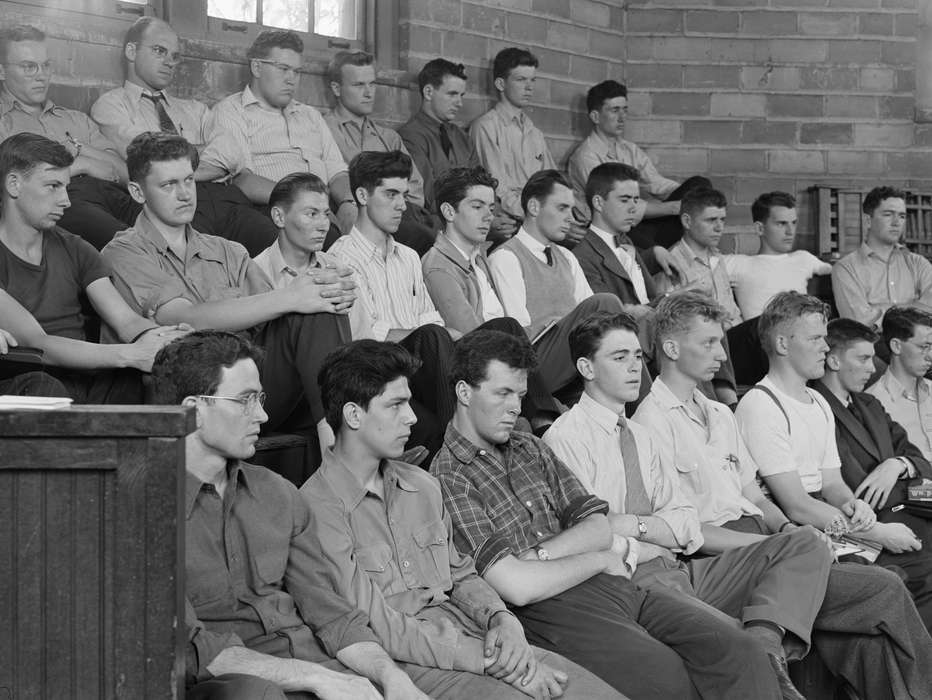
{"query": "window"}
[(329, 18), (121, 9)]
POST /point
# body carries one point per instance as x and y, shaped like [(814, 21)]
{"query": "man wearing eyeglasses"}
[(263, 133), (151, 55)]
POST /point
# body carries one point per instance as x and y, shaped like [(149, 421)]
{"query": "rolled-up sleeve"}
[(203, 645), (658, 185), (227, 139), (571, 500), (139, 279), (669, 503)]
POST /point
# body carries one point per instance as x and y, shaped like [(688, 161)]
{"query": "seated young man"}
[(756, 278), (383, 542), (251, 627), (774, 587), (903, 389), (877, 458), (46, 272), (545, 545), (866, 617), (169, 271)]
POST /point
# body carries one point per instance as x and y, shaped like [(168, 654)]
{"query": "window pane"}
[(286, 14), (335, 18), (236, 10)]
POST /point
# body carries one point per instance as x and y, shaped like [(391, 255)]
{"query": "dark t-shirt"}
[(51, 291)]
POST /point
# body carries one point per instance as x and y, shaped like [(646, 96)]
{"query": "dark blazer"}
[(866, 441), (605, 273)]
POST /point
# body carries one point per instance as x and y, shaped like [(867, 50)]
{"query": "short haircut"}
[(289, 187), (137, 30), (675, 312), (587, 335), (900, 322), (346, 58), (783, 309), (508, 59), (760, 209), (845, 332), (602, 179), (191, 365), (157, 147), (451, 187), (540, 185), (369, 168), (474, 351), (435, 71), (358, 372), (274, 39), (599, 94), (18, 32), (694, 201), (24, 152), (875, 197)]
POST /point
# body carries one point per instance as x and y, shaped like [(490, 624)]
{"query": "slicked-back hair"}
[(24, 152), (287, 189), (587, 335), (453, 185), (900, 322), (369, 168), (274, 39), (435, 71), (602, 179), (508, 59), (157, 147), (191, 365), (474, 351), (694, 201), (676, 312), (16, 33), (346, 58), (760, 209), (845, 332), (540, 186), (358, 372), (599, 94), (875, 197), (783, 309)]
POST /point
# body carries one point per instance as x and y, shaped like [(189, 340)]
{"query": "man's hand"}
[(399, 686), (666, 263), (508, 656), (860, 514), (142, 353), (876, 487), (504, 225), (895, 538), (648, 551), (7, 341), (547, 683), (327, 291), (346, 216), (101, 169)]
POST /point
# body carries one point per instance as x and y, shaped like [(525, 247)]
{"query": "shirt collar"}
[(531, 243), (193, 486), (278, 264), (509, 112), (8, 102), (368, 246), (867, 252), (348, 488), (897, 390), (693, 255), (193, 243), (460, 447), (602, 143), (249, 98), (601, 416), (609, 238), (135, 92), (344, 116)]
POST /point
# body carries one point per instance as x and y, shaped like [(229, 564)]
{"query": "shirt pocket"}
[(376, 562), (432, 552), (270, 567)]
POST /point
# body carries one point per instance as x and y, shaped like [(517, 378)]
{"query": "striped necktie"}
[(165, 122)]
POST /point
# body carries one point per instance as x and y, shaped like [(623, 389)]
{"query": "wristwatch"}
[(543, 554), (642, 527)]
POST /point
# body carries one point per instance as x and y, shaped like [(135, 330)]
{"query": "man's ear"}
[(352, 415), (362, 196), (594, 116), (135, 191), (598, 203), (499, 84), (759, 228), (896, 346), (533, 206), (584, 367), (781, 344), (129, 51), (12, 184), (336, 88), (686, 220), (278, 216), (832, 362), (427, 93), (254, 67), (447, 211), (189, 401), (671, 349), (463, 392)]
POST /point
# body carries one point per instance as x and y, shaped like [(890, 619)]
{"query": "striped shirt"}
[(390, 290)]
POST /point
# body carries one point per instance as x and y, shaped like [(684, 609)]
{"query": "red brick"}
[(769, 23), (653, 131), (558, 8), (551, 121), (420, 39), (899, 107), (524, 28), (900, 4), (712, 21), (863, 4), (912, 164), (828, 133), (614, 45), (747, 189), (680, 161), (702, 132), (464, 46), (835, 79), (655, 21), (728, 104), (828, 24), (796, 161), (483, 20), (798, 50), (851, 106), (553, 62), (745, 160), (736, 51), (510, 4), (662, 75), (447, 12), (568, 37), (769, 77), (795, 3), (588, 71), (794, 105), (922, 135), (570, 95), (905, 80), (595, 14), (711, 76), (677, 48), (899, 53), (767, 132), (857, 51), (683, 103), (880, 79), (883, 135), (855, 162), (875, 23)]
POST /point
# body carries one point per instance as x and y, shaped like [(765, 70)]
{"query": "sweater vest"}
[(549, 290)]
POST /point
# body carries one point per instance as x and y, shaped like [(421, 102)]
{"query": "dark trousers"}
[(431, 390), (102, 386), (666, 230), (747, 355), (33, 383), (100, 209), (916, 565)]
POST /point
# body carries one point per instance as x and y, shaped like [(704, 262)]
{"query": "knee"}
[(505, 324), (237, 686), (604, 301)]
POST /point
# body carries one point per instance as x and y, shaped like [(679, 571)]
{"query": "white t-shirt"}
[(757, 278)]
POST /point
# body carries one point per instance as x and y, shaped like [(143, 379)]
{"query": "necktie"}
[(620, 240), (165, 122), (637, 502), (445, 143), (548, 253)]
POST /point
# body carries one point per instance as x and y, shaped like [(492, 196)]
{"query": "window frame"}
[(125, 10)]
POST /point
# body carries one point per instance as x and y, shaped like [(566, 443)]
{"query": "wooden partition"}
[(92, 552)]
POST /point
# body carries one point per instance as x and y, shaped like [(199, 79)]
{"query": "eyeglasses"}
[(248, 402), (282, 68), (31, 68), (162, 53)]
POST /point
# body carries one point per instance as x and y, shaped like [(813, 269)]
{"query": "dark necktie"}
[(620, 240), (637, 502), (165, 122), (548, 253), (445, 143)]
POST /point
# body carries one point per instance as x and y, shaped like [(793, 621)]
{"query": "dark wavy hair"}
[(157, 147)]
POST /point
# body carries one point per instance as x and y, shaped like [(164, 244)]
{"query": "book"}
[(33, 403)]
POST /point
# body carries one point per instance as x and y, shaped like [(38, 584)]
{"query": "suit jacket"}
[(605, 273), (866, 440)]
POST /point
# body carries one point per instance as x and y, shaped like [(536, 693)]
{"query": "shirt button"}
[(528, 504), (482, 453), (540, 534), (406, 563)]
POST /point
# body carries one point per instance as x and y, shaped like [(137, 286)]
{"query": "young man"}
[(866, 617), (545, 545), (150, 56), (903, 389), (46, 271), (877, 458), (169, 271), (383, 542), (259, 135), (882, 272), (267, 647), (352, 82)]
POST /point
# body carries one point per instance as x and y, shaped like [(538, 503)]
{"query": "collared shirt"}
[(866, 285), (390, 291), (913, 411), (355, 134), (54, 122), (512, 149), (281, 274), (757, 278), (123, 113), (587, 439), (149, 274), (627, 256), (510, 500), (509, 279), (491, 305), (392, 557), (709, 276), (250, 578), (707, 452), (245, 135)]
